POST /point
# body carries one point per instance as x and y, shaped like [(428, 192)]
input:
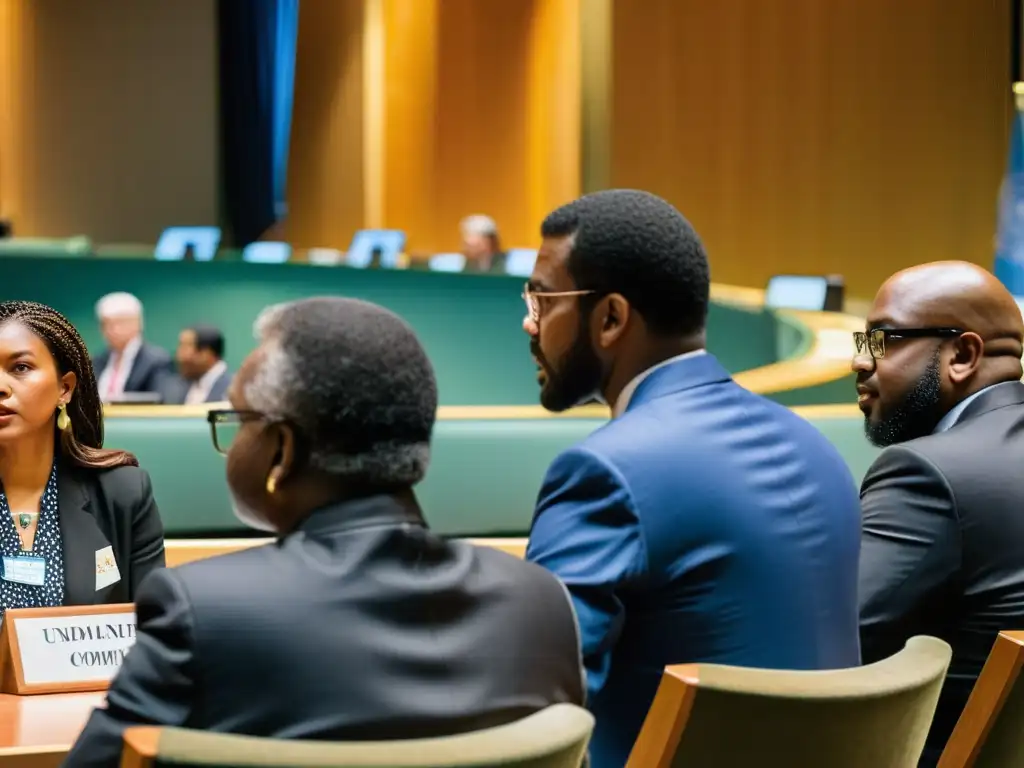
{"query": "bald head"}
[(956, 294), (936, 334)]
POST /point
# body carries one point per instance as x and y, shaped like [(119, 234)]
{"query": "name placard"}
[(57, 650)]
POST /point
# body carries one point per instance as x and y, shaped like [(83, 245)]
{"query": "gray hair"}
[(119, 304), (354, 379), (478, 224)]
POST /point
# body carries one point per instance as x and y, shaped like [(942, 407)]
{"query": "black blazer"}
[(942, 550), (102, 508), (151, 365), (360, 625)]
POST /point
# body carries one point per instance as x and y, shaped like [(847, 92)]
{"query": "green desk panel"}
[(471, 325), (483, 479)]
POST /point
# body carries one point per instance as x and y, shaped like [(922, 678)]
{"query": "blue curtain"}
[(257, 80), (1009, 266)]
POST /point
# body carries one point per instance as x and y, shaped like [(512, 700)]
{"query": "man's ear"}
[(968, 350), (610, 318), (284, 463)]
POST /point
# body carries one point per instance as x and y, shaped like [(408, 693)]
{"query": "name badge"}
[(25, 569), (106, 568)]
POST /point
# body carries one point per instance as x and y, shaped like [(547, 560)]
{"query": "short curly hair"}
[(634, 243), (356, 382)]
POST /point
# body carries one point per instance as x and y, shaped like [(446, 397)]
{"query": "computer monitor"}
[(447, 262), (519, 261), (376, 248), (817, 293), (194, 243), (267, 253)]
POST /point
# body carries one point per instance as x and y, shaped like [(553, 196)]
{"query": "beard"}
[(915, 416), (577, 380), (248, 517)]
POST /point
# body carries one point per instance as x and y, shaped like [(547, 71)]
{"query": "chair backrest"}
[(555, 737), (876, 716), (990, 731)]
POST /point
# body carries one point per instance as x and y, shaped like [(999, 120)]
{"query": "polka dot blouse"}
[(47, 545)]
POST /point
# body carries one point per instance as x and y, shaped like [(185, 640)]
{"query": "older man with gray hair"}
[(481, 245), (358, 622), (128, 364)]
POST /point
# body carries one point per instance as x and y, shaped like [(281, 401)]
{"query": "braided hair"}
[(82, 442)]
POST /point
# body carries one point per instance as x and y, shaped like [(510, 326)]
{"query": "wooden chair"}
[(990, 731), (555, 737), (876, 716)]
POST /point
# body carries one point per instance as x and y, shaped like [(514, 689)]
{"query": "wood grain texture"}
[(849, 136)]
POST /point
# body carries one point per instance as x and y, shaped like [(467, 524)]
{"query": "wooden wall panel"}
[(482, 117), (326, 162), (853, 136), (109, 117)]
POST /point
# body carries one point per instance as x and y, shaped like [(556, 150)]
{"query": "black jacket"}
[(102, 508), (942, 551), (151, 365), (360, 625)]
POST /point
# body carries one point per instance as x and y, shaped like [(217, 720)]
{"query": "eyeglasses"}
[(225, 425), (532, 299), (873, 341)]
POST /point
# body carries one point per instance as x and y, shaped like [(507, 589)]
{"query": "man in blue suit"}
[(703, 523)]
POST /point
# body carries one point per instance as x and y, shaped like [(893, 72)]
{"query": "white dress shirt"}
[(200, 390), (119, 367), (627, 393)]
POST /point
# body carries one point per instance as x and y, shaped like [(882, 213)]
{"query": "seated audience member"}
[(358, 623), (938, 376), (67, 506), (481, 245), (704, 523), (203, 376), (128, 364)]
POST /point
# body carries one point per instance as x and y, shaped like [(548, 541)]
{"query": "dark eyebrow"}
[(21, 353)]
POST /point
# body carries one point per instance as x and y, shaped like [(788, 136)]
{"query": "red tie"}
[(114, 375)]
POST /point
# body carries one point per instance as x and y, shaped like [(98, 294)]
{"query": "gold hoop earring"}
[(63, 420), (271, 485)]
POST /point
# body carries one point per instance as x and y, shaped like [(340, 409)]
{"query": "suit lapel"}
[(81, 538), (139, 371)]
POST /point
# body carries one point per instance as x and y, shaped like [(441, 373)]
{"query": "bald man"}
[(942, 552)]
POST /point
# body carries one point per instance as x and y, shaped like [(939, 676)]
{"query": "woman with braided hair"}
[(78, 523)]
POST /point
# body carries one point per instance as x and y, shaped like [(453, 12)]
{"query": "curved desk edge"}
[(181, 551), (825, 359)]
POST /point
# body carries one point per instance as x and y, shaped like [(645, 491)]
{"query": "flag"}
[(1009, 266)]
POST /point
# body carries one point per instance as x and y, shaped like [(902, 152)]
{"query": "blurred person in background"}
[(78, 523), (358, 622), (128, 364), (481, 245), (203, 376)]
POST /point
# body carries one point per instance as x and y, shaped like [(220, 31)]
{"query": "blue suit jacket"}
[(705, 524)]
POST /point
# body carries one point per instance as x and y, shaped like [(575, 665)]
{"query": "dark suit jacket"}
[(102, 508), (943, 544), (151, 365), (360, 625), (705, 524), (174, 389)]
